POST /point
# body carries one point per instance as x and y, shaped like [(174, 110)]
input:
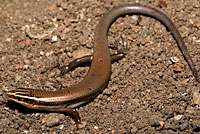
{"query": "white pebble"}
[(55, 38), (178, 117), (95, 127), (41, 52), (174, 59)]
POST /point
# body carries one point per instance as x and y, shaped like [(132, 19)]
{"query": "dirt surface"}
[(147, 92)]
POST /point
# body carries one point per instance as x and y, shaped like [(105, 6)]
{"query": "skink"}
[(98, 76)]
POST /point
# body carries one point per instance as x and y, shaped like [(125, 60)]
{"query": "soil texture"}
[(151, 90)]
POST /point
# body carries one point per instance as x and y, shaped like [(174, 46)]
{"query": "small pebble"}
[(28, 42), (27, 125), (26, 67), (134, 130), (196, 98), (8, 39), (178, 117), (95, 127), (26, 131), (62, 126), (52, 119), (55, 38), (49, 53), (63, 36), (83, 124), (69, 54), (161, 124), (17, 67), (41, 52), (174, 59)]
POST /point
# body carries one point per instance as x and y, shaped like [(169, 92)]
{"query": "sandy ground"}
[(147, 93)]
